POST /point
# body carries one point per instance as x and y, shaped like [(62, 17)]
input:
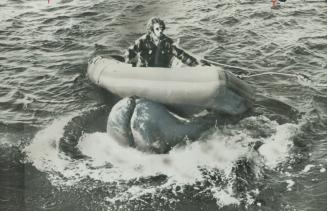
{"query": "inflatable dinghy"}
[(207, 87)]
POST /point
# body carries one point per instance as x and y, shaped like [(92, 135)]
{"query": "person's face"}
[(157, 30)]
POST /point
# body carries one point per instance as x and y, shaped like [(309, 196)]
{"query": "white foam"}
[(290, 184), (224, 197), (276, 148), (307, 168), (43, 152), (182, 166)]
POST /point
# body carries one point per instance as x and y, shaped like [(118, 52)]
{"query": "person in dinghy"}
[(146, 125), (155, 49), (181, 108)]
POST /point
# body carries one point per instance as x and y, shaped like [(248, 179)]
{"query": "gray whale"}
[(151, 127)]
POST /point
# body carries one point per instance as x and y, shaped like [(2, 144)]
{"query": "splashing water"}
[(109, 162)]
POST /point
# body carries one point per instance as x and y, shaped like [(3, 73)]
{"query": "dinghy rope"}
[(301, 78)]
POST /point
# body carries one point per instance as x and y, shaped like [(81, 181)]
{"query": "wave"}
[(224, 163)]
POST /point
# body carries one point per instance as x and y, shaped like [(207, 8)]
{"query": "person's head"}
[(155, 26)]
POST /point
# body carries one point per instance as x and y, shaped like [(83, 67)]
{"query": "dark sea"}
[(45, 94)]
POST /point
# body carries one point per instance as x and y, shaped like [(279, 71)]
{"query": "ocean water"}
[(273, 159)]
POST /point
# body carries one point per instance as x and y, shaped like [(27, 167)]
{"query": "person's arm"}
[(184, 57), (132, 51)]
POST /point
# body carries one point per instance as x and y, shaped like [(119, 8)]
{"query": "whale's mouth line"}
[(131, 139)]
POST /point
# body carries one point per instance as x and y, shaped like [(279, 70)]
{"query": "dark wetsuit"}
[(151, 55)]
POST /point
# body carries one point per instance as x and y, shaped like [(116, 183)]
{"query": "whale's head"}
[(118, 125)]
